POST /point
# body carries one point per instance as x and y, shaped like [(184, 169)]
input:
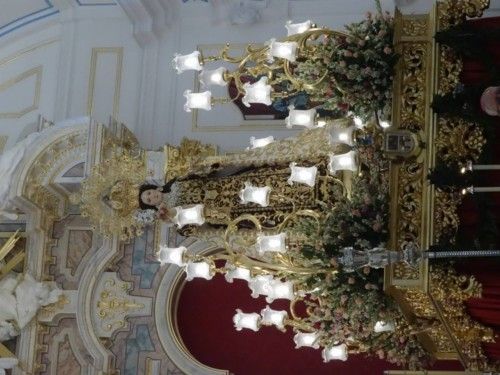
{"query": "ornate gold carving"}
[(403, 272), (109, 196), (109, 305), (458, 140), (413, 85), (452, 12), (450, 67), (449, 292), (53, 307), (415, 26), (446, 219), (181, 159)]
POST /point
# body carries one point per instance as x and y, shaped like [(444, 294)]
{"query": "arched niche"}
[(166, 303)]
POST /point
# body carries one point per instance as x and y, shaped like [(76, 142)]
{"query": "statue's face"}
[(490, 101), (152, 197)]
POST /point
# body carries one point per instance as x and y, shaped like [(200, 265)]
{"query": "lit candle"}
[(192, 215), (304, 175), (337, 352), (298, 28), (249, 321), (306, 339), (198, 270), (275, 243), (260, 142), (481, 189), (172, 255), (213, 77), (254, 194), (258, 92), (479, 167), (284, 50), (198, 100), (301, 117), (273, 317), (187, 62)]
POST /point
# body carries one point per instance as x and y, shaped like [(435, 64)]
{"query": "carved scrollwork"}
[(452, 12), (450, 67), (458, 140), (446, 219), (415, 26)]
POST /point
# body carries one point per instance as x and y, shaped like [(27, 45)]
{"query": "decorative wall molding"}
[(33, 105), (46, 10), (93, 81)]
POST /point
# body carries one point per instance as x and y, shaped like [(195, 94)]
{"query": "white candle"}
[(482, 189)]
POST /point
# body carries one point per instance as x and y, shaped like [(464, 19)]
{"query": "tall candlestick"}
[(479, 167), (481, 189)]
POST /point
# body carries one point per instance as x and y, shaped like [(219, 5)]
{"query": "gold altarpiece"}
[(420, 213)]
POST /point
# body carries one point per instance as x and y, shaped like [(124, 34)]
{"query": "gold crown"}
[(110, 195)]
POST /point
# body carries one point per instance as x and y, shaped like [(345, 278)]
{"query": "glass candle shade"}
[(273, 317), (172, 255), (260, 285), (258, 92), (384, 327), (236, 273), (337, 352), (197, 100), (249, 321), (301, 117), (280, 290), (254, 194), (213, 77), (200, 270), (297, 28), (260, 142), (302, 175), (190, 61), (186, 216), (358, 121), (343, 162), (283, 50), (342, 136), (275, 243), (306, 339)]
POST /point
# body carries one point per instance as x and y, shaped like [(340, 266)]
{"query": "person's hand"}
[(163, 212)]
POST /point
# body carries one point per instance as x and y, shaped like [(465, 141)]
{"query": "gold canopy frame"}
[(431, 297)]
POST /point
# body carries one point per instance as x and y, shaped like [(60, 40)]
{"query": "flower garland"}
[(352, 303), (360, 66)]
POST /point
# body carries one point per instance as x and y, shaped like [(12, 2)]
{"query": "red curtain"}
[(486, 271), (205, 313)]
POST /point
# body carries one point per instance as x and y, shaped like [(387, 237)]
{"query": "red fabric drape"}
[(205, 313), (486, 271)]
